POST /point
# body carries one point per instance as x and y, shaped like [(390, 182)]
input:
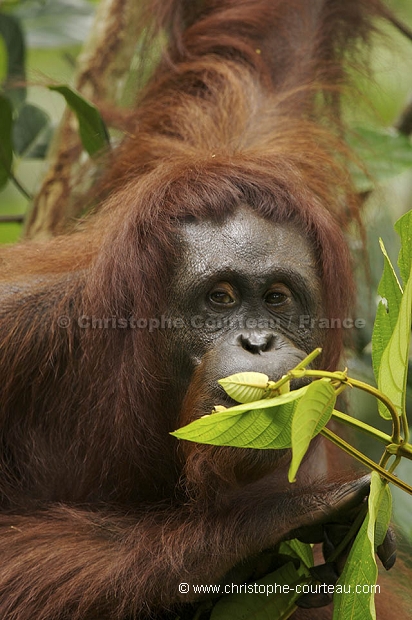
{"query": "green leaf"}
[(267, 425), (381, 334), (393, 368), (270, 598), (245, 387), (384, 515), (404, 229), (260, 428), (12, 35), (92, 130), (385, 153), (389, 287), (387, 313), (313, 412), (13, 38), (3, 60), (285, 388), (360, 568), (30, 126), (6, 151), (299, 550)]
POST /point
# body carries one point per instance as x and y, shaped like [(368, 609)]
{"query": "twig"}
[(362, 458)]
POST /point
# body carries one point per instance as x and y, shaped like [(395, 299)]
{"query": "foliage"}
[(39, 35), (92, 130), (280, 420), (372, 146)]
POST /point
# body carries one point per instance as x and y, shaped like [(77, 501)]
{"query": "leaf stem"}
[(402, 449), (385, 458), (275, 385), (396, 434), (308, 359), (339, 376), (362, 458), (395, 464), (362, 426)]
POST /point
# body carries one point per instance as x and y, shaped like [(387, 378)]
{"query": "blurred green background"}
[(55, 30)]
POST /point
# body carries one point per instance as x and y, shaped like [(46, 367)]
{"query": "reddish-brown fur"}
[(100, 518)]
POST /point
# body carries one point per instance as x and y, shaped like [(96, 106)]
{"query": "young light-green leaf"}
[(260, 428), (245, 387), (267, 425), (92, 130), (266, 403), (313, 412)]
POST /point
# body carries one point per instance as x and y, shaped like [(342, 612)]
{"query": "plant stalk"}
[(362, 458)]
